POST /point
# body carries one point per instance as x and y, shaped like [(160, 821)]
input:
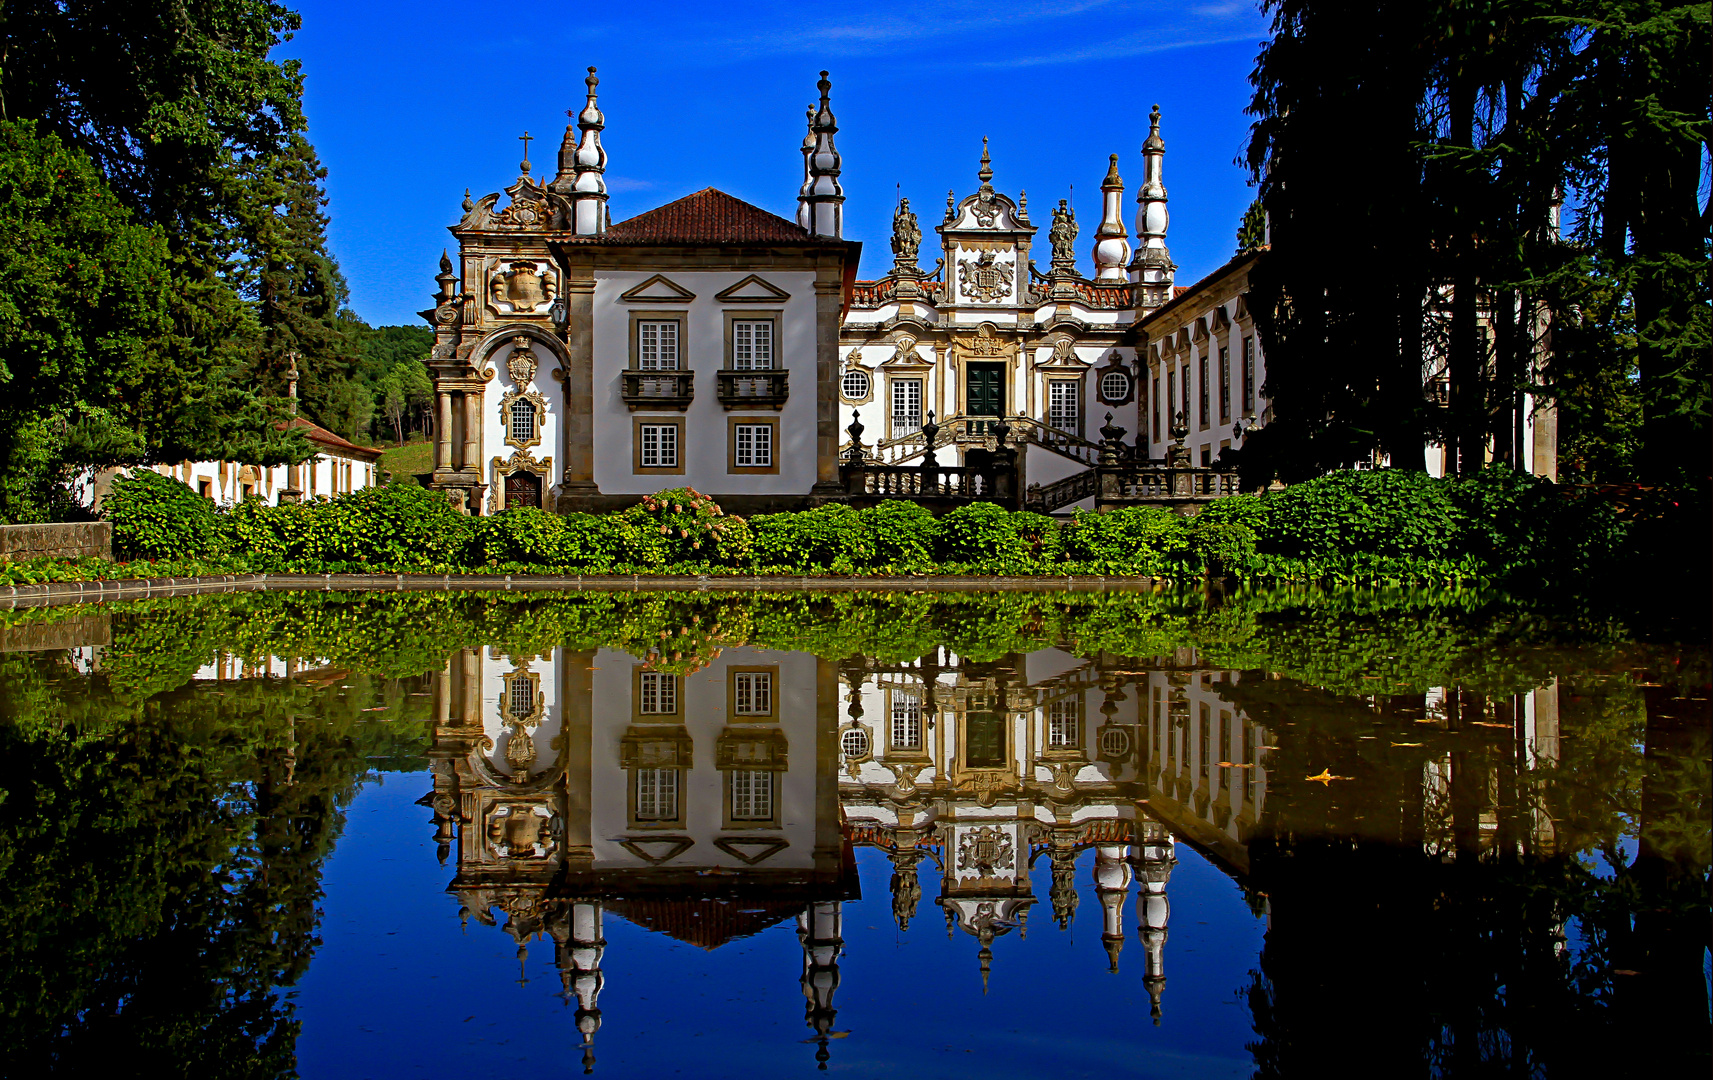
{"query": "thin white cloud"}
[(1139, 45)]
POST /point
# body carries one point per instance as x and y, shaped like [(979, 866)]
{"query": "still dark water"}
[(1072, 836)]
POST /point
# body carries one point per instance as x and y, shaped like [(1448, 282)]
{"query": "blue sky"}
[(410, 103)]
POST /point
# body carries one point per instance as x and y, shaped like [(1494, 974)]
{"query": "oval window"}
[(855, 385), (854, 743), (1114, 386)]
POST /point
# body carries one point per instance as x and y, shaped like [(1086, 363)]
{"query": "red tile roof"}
[(710, 216), (321, 436), (704, 923)]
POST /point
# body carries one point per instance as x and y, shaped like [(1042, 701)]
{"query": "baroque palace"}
[(580, 362), (715, 796)]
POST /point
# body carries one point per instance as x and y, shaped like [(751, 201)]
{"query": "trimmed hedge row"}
[(1351, 526)]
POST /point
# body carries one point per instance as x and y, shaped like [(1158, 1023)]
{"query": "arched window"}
[(523, 421), (855, 385), (854, 743)]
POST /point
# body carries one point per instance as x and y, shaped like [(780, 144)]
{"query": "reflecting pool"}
[(1266, 835)]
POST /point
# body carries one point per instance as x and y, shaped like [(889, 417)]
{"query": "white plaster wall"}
[(702, 797), (703, 351)]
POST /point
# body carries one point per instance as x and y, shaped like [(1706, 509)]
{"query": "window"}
[(1064, 411), (752, 446), (1063, 718), (657, 694), (906, 407), (520, 696), (1202, 398), (1248, 376), (657, 345), (752, 795), (855, 385), (1156, 408), (854, 743), (1172, 396), (523, 421), (906, 721), (1114, 742), (1114, 386), (657, 794), (1224, 383), (752, 693), (752, 345), (659, 446)]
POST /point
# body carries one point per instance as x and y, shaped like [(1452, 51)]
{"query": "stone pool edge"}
[(54, 593)]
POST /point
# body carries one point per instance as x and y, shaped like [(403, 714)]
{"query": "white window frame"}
[(908, 420), (752, 693), (657, 694), (1064, 724), (751, 794), (663, 449), (1064, 405), (656, 794), (752, 445), (657, 345), (906, 720), (1114, 385), (752, 345)]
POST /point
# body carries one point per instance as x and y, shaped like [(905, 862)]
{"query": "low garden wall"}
[(71, 541)]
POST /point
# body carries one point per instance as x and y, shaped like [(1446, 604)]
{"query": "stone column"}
[(829, 842), (472, 432), (829, 292), (442, 431), (579, 452), (576, 690)]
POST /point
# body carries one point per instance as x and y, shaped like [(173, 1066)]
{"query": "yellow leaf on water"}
[(1407, 744), (1325, 777)]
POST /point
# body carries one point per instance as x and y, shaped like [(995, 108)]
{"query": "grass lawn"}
[(410, 459)]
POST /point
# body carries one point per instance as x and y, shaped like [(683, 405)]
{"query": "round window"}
[(855, 384), (1115, 742), (1114, 386), (854, 743)]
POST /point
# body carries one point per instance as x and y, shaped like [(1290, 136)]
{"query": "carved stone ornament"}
[(986, 344), (522, 831), (906, 236), (520, 461), (905, 355), (985, 279), (521, 364), (1065, 356), (1063, 236), (533, 207), (522, 287), (534, 398), (985, 849)]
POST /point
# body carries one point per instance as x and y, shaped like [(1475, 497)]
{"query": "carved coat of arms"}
[(984, 278), (985, 849)]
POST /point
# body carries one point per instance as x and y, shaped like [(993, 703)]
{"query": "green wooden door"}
[(984, 393)]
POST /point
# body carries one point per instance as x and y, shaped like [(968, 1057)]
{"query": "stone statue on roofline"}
[(906, 236), (1063, 236)]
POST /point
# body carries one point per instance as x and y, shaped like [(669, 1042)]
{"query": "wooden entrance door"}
[(984, 393), (523, 489)]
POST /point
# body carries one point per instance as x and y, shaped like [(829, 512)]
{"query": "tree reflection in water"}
[(1475, 853)]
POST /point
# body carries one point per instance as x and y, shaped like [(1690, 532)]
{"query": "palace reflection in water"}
[(711, 803)]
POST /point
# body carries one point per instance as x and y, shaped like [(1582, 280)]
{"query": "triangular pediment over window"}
[(654, 852), (753, 290), (658, 288)]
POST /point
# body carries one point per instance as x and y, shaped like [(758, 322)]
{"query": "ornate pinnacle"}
[(592, 81), (445, 262), (985, 173)]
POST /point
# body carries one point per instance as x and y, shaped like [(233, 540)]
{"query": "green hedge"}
[(1378, 526)]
